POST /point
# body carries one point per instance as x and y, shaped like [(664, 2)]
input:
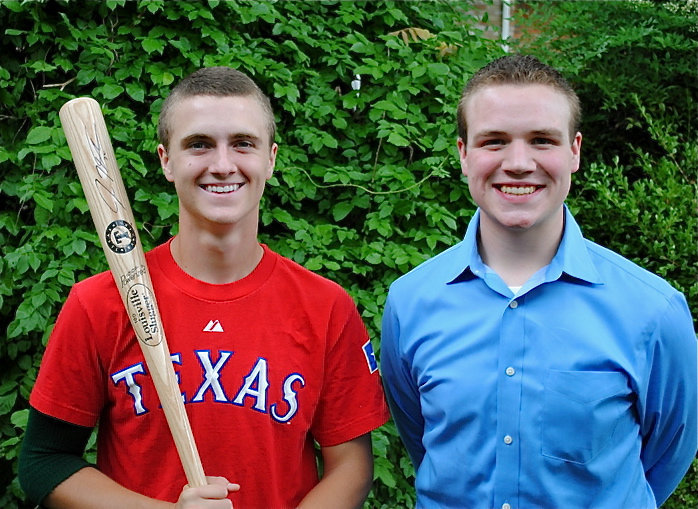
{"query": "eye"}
[(244, 144), (542, 140), (492, 142), (197, 145)]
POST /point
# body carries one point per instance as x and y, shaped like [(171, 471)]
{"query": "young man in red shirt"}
[(270, 357)]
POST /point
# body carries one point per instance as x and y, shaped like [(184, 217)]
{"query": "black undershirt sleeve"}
[(52, 450)]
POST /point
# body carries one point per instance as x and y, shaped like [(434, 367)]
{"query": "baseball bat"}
[(93, 155)]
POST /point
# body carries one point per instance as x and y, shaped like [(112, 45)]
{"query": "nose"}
[(223, 162), (518, 157)]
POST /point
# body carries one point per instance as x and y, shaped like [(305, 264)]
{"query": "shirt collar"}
[(572, 259), (468, 253)]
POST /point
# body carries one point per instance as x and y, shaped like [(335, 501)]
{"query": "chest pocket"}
[(582, 412)]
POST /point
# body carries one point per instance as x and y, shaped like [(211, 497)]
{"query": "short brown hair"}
[(519, 70), (216, 81)]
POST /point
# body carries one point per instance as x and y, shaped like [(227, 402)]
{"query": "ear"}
[(165, 163), (462, 152), (576, 151), (272, 160)]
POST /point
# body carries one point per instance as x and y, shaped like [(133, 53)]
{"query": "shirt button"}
[(506, 506), (510, 371), (513, 304), (508, 440)]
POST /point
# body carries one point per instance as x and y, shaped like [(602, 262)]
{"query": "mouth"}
[(518, 190), (219, 189)]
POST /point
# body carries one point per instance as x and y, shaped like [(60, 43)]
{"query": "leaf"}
[(329, 140), (135, 91), (438, 69), (16, 6), (399, 140), (86, 75), (383, 472), (332, 265), (48, 161), (39, 135), (313, 263), (113, 4), (110, 91), (151, 45), (167, 78), (44, 200), (7, 402), (339, 123), (342, 210), (20, 418), (373, 258), (66, 277)]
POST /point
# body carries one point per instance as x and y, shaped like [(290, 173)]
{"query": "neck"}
[(216, 257), (515, 255)]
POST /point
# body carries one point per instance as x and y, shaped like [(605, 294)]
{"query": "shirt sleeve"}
[(352, 401), (669, 427), (400, 389), (70, 385)]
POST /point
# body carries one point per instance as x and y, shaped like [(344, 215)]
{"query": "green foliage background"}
[(367, 185)]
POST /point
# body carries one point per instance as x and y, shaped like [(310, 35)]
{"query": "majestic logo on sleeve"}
[(370, 356)]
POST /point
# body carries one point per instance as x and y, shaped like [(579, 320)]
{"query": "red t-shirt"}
[(266, 365)]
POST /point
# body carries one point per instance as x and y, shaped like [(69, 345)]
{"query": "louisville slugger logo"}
[(104, 182), (141, 307)]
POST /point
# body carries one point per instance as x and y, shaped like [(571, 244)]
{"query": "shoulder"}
[(645, 299), (291, 274), (436, 271), (620, 272), (102, 285), (97, 286)]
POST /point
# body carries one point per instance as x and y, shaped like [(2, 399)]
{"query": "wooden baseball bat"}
[(101, 181)]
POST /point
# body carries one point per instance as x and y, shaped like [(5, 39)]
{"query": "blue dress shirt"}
[(578, 392)]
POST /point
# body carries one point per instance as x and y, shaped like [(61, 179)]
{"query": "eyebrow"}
[(548, 132), (203, 136), (537, 132)]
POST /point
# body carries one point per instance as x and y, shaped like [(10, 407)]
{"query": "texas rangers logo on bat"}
[(121, 237)]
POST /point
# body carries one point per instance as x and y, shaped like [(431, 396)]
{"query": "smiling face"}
[(219, 159), (519, 158)]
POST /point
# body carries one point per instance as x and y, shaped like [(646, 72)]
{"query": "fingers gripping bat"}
[(101, 181)]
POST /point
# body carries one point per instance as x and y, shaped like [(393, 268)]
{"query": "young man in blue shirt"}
[(527, 367)]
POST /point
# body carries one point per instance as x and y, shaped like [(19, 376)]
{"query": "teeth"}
[(518, 190), (222, 189)]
